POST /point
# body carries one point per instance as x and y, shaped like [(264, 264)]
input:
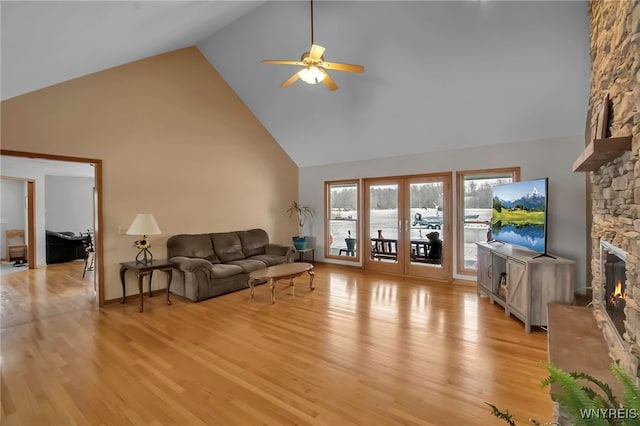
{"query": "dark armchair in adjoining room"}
[(64, 247)]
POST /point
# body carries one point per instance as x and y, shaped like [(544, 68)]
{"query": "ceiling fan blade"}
[(291, 80), (335, 66), (316, 51), (279, 62), (328, 81)]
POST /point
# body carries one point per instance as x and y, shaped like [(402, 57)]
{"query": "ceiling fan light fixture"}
[(315, 67), (312, 75)]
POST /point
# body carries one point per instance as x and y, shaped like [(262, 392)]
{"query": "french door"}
[(407, 225)]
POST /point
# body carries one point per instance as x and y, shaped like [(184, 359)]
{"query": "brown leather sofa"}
[(208, 265)]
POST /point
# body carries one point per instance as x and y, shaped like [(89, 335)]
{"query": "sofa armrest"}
[(65, 236), (280, 250), (189, 264)]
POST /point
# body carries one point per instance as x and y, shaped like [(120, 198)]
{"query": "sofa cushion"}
[(198, 246), (253, 241), (227, 246), (248, 265), (224, 271), (269, 259)]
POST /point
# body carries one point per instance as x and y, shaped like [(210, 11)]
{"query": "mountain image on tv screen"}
[(519, 214)]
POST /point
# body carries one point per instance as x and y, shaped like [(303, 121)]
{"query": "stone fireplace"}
[(614, 189)]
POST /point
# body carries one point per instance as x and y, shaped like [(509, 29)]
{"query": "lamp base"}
[(143, 252)]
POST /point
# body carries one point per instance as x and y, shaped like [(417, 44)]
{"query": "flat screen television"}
[(519, 214)]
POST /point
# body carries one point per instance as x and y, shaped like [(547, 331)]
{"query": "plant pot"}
[(351, 246), (300, 243)]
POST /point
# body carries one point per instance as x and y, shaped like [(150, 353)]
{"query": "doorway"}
[(408, 225), (37, 231), (21, 215)]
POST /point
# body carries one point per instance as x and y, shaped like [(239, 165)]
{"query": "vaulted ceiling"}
[(438, 75)]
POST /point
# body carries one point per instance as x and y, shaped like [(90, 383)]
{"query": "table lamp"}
[(144, 224)]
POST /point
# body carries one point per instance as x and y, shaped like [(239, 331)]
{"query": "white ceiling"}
[(47, 42), (439, 75)]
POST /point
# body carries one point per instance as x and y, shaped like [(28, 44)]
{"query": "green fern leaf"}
[(506, 416), (573, 398), (631, 390), (611, 402)]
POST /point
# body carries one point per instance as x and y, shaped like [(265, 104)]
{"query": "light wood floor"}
[(363, 348)]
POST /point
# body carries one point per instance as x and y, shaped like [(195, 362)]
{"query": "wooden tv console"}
[(531, 283)]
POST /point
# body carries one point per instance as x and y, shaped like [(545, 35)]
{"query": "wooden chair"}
[(384, 249), (16, 247)]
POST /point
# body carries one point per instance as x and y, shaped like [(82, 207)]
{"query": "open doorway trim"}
[(98, 227), (31, 237)]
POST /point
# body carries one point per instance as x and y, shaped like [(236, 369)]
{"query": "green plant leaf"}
[(630, 389), (586, 406), (610, 402), (573, 397), (506, 416), (303, 212)]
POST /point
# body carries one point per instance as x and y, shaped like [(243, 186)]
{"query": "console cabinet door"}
[(518, 295), (484, 270)]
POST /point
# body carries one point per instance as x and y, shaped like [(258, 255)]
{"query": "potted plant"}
[(303, 213), (586, 400), (351, 245)]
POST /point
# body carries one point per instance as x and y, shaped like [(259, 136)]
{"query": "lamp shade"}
[(144, 224)]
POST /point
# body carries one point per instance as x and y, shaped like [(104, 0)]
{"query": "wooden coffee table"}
[(281, 272)]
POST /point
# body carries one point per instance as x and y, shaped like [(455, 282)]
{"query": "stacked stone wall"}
[(615, 187)]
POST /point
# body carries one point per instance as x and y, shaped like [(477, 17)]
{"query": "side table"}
[(145, 268), (302, 254)]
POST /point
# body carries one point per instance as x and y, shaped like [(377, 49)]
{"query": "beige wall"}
[(175, 141)]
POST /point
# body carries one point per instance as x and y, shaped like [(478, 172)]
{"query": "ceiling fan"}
[(315, 67)]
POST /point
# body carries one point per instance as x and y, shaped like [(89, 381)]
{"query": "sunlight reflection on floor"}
[(413, 312)]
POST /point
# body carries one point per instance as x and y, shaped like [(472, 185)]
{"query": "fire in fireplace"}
[(614, 286), (616, 298)]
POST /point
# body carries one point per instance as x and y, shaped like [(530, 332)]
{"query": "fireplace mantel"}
[(600, 151)]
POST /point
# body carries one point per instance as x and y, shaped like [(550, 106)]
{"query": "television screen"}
[(519, 214)]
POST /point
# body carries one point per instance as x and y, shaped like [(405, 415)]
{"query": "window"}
[(341, 218), (474, 190)]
